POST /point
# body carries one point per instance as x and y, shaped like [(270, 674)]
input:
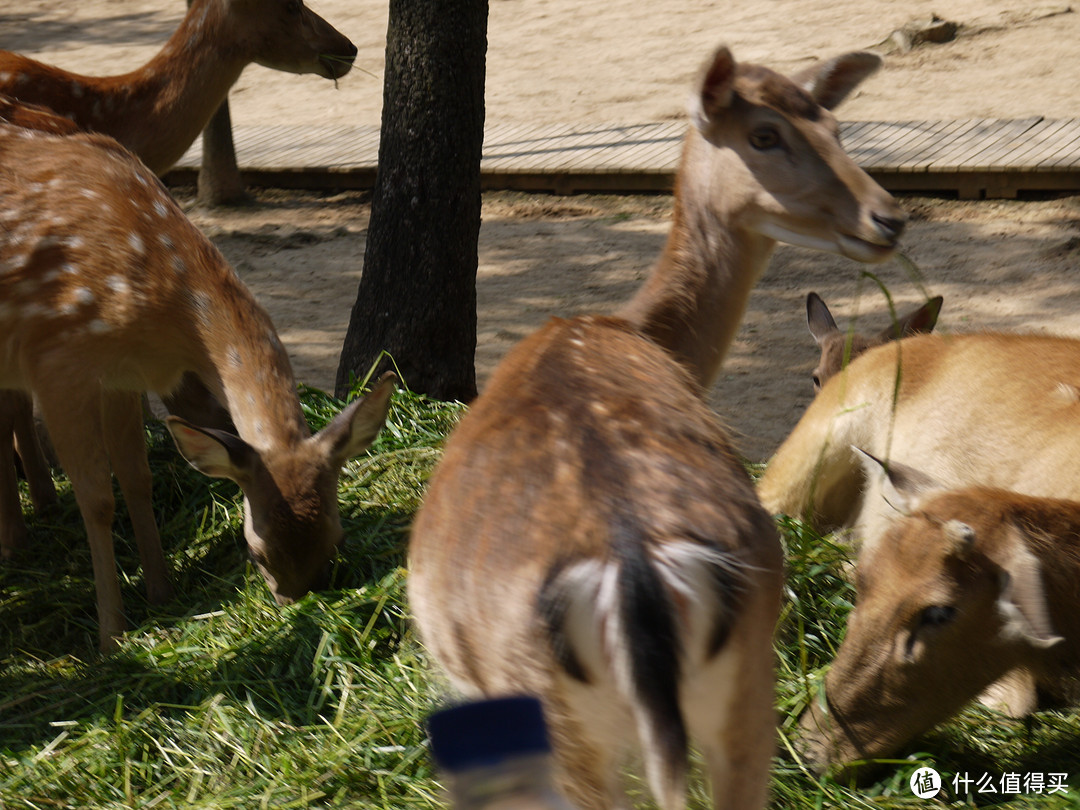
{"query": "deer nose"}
[(890, 225)]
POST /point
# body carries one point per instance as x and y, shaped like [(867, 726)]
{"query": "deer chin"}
[(843, 244), (863, 251)]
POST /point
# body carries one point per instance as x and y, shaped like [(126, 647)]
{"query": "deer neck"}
[(169, 101), (695, 296), (247, 368)]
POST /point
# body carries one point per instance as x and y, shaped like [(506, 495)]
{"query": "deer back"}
[(993, 409)]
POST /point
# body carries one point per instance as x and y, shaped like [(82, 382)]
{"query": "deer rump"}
[(602, 575)]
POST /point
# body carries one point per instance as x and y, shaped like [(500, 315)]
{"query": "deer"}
[(840, 348), (967, 585), (589, 535), (158, 110), (983, 408), (107, 290)]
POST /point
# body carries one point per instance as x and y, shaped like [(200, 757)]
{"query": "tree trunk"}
[(220, 182), (417, 294)]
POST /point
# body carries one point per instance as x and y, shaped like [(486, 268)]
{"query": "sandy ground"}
[(1004, 265)]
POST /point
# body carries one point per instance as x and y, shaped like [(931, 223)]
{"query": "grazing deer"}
[(589, 535), (985, 409), (970, 584), (106, 291), (840, 348), (158, 110)]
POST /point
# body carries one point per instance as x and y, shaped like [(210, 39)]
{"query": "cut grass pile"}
[(221, 699)]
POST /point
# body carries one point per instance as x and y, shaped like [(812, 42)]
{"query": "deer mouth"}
[(863, 250), (334, 66)]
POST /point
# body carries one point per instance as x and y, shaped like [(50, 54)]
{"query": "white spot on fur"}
[(1069, 394), (118, 284), (83, 296), (160, 209), (5, 77), (98, 327), (136, 243), (178, 264)]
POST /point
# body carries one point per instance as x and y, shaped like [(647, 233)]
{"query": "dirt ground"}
[(1001, 265)]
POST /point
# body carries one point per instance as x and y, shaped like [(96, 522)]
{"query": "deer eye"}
[(764, 138), (937, 615)]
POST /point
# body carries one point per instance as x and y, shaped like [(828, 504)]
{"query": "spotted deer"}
[(106, 291), (158, 110), (967, 586), (839, 348), (589, 535)]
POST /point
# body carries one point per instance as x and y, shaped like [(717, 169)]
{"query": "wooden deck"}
[(972, 158)]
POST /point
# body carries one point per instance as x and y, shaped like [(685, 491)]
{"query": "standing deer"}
[(158, 110), (589, 535), (106, 291), (968, 585), (838, 348)]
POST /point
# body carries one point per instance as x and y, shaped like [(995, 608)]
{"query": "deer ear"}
[(354, 429), (818, 318), (1022, 599), (905, 487), (715, 89), (831, 81), (213, 452), (919, 321)]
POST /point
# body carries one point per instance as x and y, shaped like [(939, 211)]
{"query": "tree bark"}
[(417, 295)]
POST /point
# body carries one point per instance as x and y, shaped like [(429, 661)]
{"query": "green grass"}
[(221, 699)]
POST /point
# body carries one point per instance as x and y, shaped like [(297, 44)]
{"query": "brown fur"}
[(589, 536), (990, 409), (1004, 567)]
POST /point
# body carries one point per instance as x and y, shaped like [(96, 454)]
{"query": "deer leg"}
[(73, 416), (728, 706), (126, 443), (587, 753), (28, 444), (12, 526)]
